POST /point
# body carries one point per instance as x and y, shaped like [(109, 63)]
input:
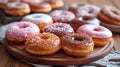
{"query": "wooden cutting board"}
[(60, 58)]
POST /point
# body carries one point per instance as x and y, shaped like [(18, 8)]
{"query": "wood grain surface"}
[(9, 61), (59, 58)]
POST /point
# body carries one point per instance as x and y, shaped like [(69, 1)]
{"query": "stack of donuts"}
[(76, 31), (24, 7)]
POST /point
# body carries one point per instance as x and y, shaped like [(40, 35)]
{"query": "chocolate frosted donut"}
[(77, 22), (59, 29), (77, 44)]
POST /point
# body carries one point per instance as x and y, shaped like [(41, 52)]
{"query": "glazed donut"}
[(56, 4), (17, 8), (18, 32), (59, 29), (40, 19), (42, 7), (31, 1), (43, 44), (81, 10), (101, 35), (77, 44), (110, 15), (77, 22), (62, 16)]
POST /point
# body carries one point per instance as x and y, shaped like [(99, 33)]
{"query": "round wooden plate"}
[(60, 58)]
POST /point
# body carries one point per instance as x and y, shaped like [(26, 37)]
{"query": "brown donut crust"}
[(101, 41)]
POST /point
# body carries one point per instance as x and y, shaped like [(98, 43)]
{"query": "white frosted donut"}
[(39, 18), (17, 5), (95, 31), (17, 8)]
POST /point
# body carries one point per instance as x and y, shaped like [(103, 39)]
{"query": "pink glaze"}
[(20, 31), (62, 16), (31, 1), (59, 28), (95, 31)]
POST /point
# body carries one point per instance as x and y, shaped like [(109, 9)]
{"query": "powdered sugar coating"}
[(59, 28), (20, 31), (62, 16), (95, 31), (37, 18)]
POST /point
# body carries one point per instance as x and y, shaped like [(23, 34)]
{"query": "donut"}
[(42, 7), (18, 32), (101, 35), (31, 1), (3, 3), (43, 44), (59, 29), (77, 22), (81, 10), (40, 19), (110, 15), (17, 8), (77, 44), (62, 16), (56, 4)]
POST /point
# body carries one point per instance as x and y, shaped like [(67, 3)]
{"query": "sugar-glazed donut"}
[(43, 44)]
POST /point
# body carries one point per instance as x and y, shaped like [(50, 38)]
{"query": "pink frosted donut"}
[(59, 29), (18, 32), (101, 35), (62, 16)]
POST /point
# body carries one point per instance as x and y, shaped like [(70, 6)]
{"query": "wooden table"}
[(7, 60)]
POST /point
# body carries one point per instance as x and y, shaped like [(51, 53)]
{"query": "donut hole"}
[(90, 11), (36, 16), (23, 26), (77, 39), (97, 29), (115, 12), (19, 4), (86, 18)]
